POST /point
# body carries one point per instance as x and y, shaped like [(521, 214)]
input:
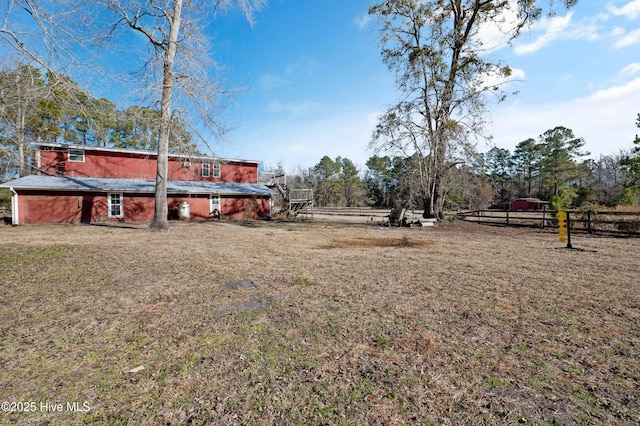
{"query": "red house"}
[(79, 183)]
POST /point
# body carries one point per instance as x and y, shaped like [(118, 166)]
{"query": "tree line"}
[(51, 108), (550, 167), (443, 77)]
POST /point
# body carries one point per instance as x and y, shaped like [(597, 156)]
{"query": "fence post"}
[(544, 217), (589, 229), (507, 217)]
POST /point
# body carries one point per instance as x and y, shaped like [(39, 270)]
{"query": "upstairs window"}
[(76, 155), (206, 169), (216, 170)]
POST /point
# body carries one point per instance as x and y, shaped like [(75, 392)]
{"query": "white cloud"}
[(631, 10), (631, 69), (304, 63), (605, 119), (629, 39), (301, 148), (552, 29), (361, 21), (269, 82), (617, 31), (345, 132), (617, 92), (293, 108), (496, 80)]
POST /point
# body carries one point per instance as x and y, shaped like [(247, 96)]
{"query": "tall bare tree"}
[(442, 72), (21, 90), (172, 28)]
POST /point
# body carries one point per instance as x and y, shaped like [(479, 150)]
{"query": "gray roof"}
[(143, 186)]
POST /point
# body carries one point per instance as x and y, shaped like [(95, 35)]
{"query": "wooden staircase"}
[(294, 201)]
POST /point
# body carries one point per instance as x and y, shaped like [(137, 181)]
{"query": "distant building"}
[(79, 183), (527, 204)]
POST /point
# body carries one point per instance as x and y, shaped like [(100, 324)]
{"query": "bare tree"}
[(20, 91), (172, 29), (47, 38), (443, 75)]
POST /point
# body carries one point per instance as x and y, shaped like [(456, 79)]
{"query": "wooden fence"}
[(592, 222), (352, 211)]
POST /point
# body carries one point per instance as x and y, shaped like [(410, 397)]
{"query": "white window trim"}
[(109, 204), (207, 167), (216, 170), (77, 153), (215, 206)]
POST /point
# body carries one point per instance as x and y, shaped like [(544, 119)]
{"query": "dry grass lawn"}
[(345, 325)]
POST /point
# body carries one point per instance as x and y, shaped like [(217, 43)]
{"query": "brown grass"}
[(346, 324)]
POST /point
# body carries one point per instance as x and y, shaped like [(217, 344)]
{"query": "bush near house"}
[(5, 197)]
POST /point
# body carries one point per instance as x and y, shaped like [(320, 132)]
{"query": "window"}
[(206, 169), (215, 205), (115, 205), (76, 155), (216, 170)]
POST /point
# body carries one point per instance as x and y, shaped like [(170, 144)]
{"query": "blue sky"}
[(315, 81)]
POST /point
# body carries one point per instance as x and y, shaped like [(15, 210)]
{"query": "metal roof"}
[(142, 186), (146, 153)]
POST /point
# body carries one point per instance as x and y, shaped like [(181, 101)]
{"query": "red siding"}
[(68, 207), (244, 208), (527, 205), (113, 164), (60, 207)]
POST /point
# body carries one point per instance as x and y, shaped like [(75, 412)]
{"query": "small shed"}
[(528, 204)]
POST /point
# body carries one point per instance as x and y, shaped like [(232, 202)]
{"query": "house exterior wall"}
[(40, 207), (113, 164), (60, 207), (245, 208)]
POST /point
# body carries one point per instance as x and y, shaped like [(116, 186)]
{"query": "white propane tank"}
[(184, 211)]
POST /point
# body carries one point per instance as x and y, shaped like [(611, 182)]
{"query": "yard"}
[(343, 324)]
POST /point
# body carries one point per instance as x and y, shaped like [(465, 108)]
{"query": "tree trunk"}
[(161, 211)]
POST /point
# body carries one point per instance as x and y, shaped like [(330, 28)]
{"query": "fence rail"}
[(351, 211), (592, 222), (4, 210)]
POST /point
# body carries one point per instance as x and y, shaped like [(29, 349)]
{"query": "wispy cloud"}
[(270, 81), (628, 39), (498, 80), (597, 117), (630, 10), (293, 108), (551, 29), (305, 64), (631, 69), (362, 21), (494, 35), (632, 89)]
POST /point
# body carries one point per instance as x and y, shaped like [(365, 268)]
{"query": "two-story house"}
[(78, 183)]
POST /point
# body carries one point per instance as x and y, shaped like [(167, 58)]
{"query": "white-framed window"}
[(114, 201), (76, 155), (215, 205), (216, 170), (206, 169)]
